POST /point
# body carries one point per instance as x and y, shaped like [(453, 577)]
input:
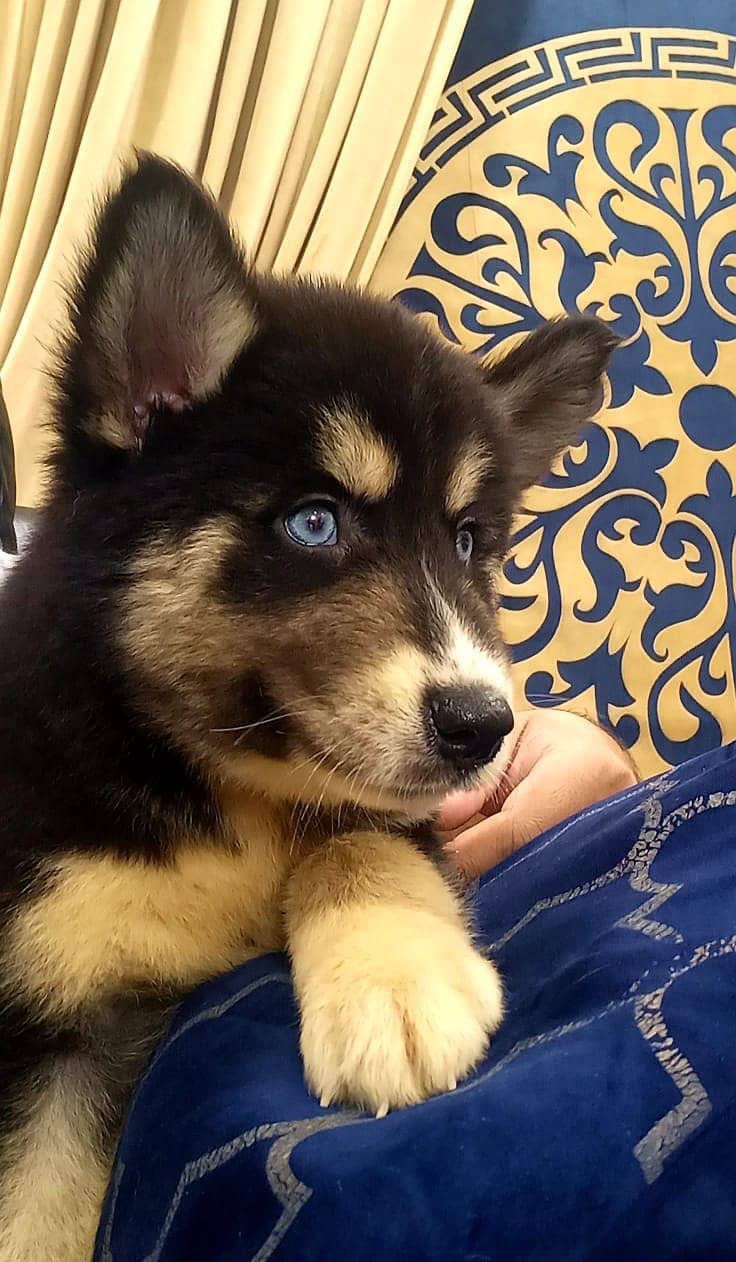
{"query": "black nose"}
[(467, 725)]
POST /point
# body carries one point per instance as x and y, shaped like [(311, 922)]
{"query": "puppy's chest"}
[(102, 925)]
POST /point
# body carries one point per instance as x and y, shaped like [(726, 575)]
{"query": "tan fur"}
[(388, 687), (318, 782), (170, 585), (103, 923), (168, 596), (109, 427), (395, 1002), (351, 451), (52, 1191), (466, 479)]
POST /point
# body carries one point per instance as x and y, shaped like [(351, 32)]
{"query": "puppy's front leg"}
[(396, 1003)]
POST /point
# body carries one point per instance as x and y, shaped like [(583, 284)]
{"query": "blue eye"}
[(464, 542), (314, 525)]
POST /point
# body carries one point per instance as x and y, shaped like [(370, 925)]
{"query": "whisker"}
[(276, 717), (307, 808)]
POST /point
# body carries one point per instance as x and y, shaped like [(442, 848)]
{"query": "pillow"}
[(601, 1125), (582, 158)]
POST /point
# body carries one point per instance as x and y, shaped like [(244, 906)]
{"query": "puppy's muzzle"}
[(467, 725)]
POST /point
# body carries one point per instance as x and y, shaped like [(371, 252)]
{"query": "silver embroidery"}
[(651, 1151)]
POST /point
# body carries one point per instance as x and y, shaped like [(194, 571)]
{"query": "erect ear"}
[(548, 387), (159, 311)]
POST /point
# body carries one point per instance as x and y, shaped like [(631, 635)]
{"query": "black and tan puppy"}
[(253, 644)]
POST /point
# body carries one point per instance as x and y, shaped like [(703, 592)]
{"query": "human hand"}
[(559, 764)]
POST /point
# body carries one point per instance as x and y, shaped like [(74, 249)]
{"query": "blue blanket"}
[(602, 1125)]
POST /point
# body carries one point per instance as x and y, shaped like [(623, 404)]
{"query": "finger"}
[(459, 808), (486, 844)]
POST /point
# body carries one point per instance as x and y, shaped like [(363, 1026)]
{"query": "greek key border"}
[(496, 91)]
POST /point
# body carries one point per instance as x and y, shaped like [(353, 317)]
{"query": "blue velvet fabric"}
[(602, 1124)]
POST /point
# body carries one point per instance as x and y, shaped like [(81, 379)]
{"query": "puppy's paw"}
[(399, 1009)]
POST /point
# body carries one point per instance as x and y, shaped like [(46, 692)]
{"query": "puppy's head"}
[(295, 501)]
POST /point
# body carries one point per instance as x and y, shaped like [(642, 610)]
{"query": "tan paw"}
[(400, 1009)]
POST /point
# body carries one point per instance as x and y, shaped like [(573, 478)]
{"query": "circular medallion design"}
[(598, 173)]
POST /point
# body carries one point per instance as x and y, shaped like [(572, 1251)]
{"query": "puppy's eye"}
[(464, 541), (314, 525)]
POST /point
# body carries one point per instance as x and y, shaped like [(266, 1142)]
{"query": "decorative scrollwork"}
[(619, 591)]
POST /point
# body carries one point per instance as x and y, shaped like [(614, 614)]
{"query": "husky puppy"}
[(251, 647)]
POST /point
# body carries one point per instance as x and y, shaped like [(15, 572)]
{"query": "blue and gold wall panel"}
[(595, 170)]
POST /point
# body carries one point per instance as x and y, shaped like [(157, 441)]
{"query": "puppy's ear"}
[(160, 309), (548, 387)]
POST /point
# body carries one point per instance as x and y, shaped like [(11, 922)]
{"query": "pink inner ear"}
[(142, 411), (157, 349), (176, 402)]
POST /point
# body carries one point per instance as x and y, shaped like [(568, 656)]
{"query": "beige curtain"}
[(304, 117)]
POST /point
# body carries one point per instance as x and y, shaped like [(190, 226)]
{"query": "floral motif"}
[(671, 190)]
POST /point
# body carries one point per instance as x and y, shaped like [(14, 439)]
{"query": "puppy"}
[(251, 647)]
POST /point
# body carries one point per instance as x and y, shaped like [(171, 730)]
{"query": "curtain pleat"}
[(304, 119), (316, 150)]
